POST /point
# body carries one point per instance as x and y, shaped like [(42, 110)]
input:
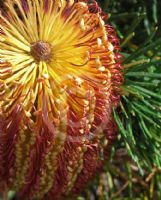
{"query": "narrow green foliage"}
[(139, 116), (139, 121)]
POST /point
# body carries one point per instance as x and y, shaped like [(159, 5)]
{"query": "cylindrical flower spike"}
[(59, 79)]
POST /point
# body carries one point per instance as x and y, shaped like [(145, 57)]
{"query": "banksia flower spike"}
[(59, 79)]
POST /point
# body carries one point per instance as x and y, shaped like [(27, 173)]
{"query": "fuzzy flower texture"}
[(60, 74)]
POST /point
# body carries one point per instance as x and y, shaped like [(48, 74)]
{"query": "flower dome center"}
[(41, 51)]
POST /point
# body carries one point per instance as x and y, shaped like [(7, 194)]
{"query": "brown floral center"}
[(41, 51)]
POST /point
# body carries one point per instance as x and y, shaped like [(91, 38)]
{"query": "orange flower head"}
[(59, 79)]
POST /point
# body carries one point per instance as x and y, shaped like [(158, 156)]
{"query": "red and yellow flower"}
[(59, 79)]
